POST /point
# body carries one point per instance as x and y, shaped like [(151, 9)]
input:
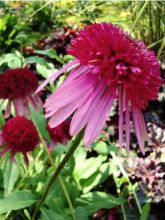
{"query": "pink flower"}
[(18, 86), (59, 134), (19, 135), (109, 65)]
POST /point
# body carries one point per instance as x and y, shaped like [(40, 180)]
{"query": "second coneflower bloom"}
[(109, 65), (18, 86)]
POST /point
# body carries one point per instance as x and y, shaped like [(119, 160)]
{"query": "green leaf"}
[(94, 201), (45, 71), (2, 119), (11, 174), (12, 60), (98, 177), (36, 59), (81, 213), (68, 58), (89, 167), (104, 149), (50, 215), (16, 201), (54, 202), (50, 53), (145, 211), (40, 122)]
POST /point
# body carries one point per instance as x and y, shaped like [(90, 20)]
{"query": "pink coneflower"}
[(59, 134), (18, 86), (109, 65), (19, 135)]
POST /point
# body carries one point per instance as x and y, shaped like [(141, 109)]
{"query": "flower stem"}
[(140, 13), (124, 173), (61, 165), (123, 212), (62, 184)]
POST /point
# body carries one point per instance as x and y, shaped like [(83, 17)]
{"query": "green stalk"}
[(123, 212), (124, 173), (62, 185), (61, 165), (140, 13)]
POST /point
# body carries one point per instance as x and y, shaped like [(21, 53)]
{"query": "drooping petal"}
[(73, 75), (137, 130), (120, 118), (143, 126), (85, 111), (127, 124), (33, 103), (96, 123), (68, 96), (57, 74), (72, 86), (19, 106), (8, 109), (63, 113)]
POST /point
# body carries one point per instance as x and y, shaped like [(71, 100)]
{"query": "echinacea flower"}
[(59, 134), (18, 135), (109, 65), (18, 86)]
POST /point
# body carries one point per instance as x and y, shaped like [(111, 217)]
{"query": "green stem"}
[(155, 43), (39, 9), (123, 212), (62, 184), (68, 197), (61, 165), (127, 178), (140, 13), (60, 178)]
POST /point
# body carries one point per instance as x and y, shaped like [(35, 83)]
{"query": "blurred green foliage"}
[(22, 23)]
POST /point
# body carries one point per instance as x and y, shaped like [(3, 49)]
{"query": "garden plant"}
[(82, 99)]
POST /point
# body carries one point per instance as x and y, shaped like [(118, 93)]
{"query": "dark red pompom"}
[(20, 135), (17, 83)]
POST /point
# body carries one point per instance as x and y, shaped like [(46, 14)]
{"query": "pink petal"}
[(71, 88), (69, 95), (1, 138), (57, 74), (52, 145), (143, 126), (37, 100), (77, 72), (84, 112), (8, 109), (63, 113), (34, 103), (19, 106), (120, 118), (98, 119), (138, 132), (127, 117)]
